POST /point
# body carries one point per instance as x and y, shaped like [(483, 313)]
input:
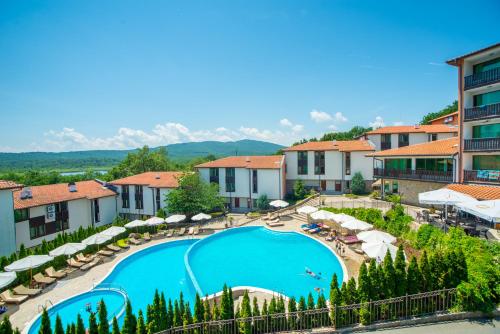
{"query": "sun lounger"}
[(41, 279), (9, 298), (24, 291), (123, 245), (182, 231), (92, 264), (105, 252), (51, 272), (74, 263), (314, 230), (113, 248), (134, 241), (146, 236), (191, 231), (196, 230), (170, 234), (266, 217), (275, 223), (82, 258), (350, 239)]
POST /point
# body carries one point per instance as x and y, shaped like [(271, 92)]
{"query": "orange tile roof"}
[(444, 116), (479, 192), (335, 145), (55, 193), (443, 147), (433, 128), (252, 162), (4, 184), (152, 179), (455, 61)]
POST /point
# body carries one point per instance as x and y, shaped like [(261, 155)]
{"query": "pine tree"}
[(80, 327), (129, 322), (163, 313), (364, 287), (310, 301), (103, 318), (352, 292), (389, 276), (58, 327), (141, 326), (245, 312), (68, 329), (182, 306), (199, 311), (255, 307), (207, 316), (343, 294), (413, 277), (400, 272), (426, 272), (6, 326), (177, 314), (73, 328), (231, 303), (116, 328), (373, 275), (93, 329), (170, 314), (45, 327), (187, 319)]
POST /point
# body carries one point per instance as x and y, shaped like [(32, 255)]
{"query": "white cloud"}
[(398, 123), (333, 127), (320, 116), (339, 117), (295, 127), (378, 123), (286, 122)]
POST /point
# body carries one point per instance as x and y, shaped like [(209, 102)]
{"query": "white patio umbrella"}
[(154, 221), (136, 223), (488, 210), (444, 196), (68, 249), (342, 218), (96, 239), (376, 237), (175, 219), (201, 216), (357, 225), (6, 278), (113, 231), (307, 209), (28, 263), (278, 204), (378, 250), (323, 215)]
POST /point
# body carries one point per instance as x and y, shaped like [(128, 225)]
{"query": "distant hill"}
[(96, 159)]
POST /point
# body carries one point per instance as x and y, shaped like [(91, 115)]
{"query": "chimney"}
[(26, 193), (72, 187), (157, 176), (247, 158)]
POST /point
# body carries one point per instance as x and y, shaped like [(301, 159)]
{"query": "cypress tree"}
[(80, 327), (45, 327), (255, 307), (116, 328), (58, 327), (170, 314), (163, 313), (215, 311), (93, 329), (129, 322), (68, 329), (343, 294), (231, 303), (199, 311), (281, 305), (177, 314), (73, 328), (182, 306), (141, 326), (150, 318), (103, 318), (272, 306), (245, 312), (373, 275), (364, 287), (437, 267), (187, 319), (310, 301), (352, 292), (265, 310), (389, 276), (207, 315), (413, 277), (400, 272), (6, 326), (426, 272)]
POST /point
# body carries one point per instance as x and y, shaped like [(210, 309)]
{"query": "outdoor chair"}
[(146, 236), (134, 241), (74, 263), (82, 258), (105, 253), (92, 264), (10, 298), (113, 248), (43, 280), (182, 231), (51, 272), (24, 291)]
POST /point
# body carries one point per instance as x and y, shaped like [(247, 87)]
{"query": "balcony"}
[(482, 79), (483, 112), (482, 176), (411, 174), (481, 144)]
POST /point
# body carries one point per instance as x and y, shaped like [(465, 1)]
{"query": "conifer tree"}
[(45, 327), (177, 315), (389, 276), (292, 315), (182, 306), (115, 327), (272, 306), (150, 318), (103, 318), (187, 319), (426, 272), (93, 329), (163, 318), (436, 268), (245, 312), (281, 305), (310, 301), (199, 312), (6, 326), (170, 314), (255, 307), (73, 328), (129, 322), (413, 277), (374, 280), (58, 327), (215, 311), (207, 315), (343, 294), (231, 303), (364, 287), (225, 305), (80, 326), (352, 294), (141, 326), (68, 329), (400, 272), (265, 309)]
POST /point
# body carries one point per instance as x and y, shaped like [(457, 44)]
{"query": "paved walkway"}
[(483, 326)]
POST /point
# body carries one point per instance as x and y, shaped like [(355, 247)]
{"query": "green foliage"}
[(358, 186), (246, 312), (263, 202), (45, 327), (353, 133), (93, 328), (6, 326), (143, 160), (103, 318), (194, 196), (58, 327), (130, 321), (299, 190), (115, 327), (445, 111), (80, 326), (400, 272)]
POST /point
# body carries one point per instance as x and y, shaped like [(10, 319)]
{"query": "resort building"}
[(243, 179), (450, 119), (328, 166), (390, 137), (7, 225), (144, 194), (413, 169), (40, 212), (479, 108)]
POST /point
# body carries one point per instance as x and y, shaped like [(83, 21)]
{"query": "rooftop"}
[(456, 61), (477, 191), (434, 128), (55, 193), (252, 162), (444, 116), (443, 147), (4, 185), (152, 179), (335, 145)]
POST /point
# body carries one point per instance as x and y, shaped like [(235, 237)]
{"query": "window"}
[(433, 136), (62, 217), (440, 165), (97, 213), (139, 198), (397, 164), (302, 162), (319, 163), (37, 227), (348, 184), (214, 175), (385, 141), (486, 162), (230, 180), (403, 139), (21, 215), (486, 66), (125, 197), (487, 98), (254, 181), (158, 199), (338, 186), (486, 131), (347, 163)]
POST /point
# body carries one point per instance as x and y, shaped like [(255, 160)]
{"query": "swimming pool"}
[(246, 256)]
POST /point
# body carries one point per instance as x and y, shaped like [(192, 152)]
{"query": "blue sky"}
[(119, 74)]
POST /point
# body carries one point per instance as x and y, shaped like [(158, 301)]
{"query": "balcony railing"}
[(482, 144), (489, 176), (411, 174), (483, 112), (482, 78)]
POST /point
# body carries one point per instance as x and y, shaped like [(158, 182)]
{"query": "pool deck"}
[(78, 281)]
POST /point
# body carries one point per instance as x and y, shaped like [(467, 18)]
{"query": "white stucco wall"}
[(107, 209), (7, 225), (148, 196), (361, 163)]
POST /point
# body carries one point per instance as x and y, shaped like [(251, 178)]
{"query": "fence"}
[(400, 308)]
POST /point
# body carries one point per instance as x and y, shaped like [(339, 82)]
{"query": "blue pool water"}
[(248, 256)]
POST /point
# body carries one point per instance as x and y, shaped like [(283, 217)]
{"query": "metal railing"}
[(482, 78), (412, 174), (336, 316), (482, 176), (477, 113), (482, 144)]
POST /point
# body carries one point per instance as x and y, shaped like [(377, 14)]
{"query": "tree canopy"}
[(445, 111), (144, 160), (351, 134)]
